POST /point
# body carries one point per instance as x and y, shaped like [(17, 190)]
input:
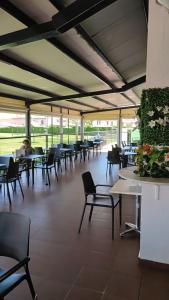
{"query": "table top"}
[(129, 153), (97, 143), (128, 173), (2, 166), (31, 156), (126, 187), (65, 149), (84, 146)]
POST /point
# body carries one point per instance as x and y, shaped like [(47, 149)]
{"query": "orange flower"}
[(147, 148)]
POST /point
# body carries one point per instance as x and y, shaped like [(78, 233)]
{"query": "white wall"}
[(158, 46)]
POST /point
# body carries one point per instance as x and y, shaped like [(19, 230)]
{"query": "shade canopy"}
[(81, 56)]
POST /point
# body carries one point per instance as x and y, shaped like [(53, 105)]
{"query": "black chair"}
[(5, 160), (14, 243), (113, 158), (38, 150), (48, 165), (77, 151), (12, 176), (57, 157), (98, 199)]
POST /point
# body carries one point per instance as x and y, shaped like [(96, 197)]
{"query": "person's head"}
[(26, 143)]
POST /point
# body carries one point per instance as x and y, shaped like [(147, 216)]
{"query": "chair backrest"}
[(113, 156), (79, 142), (90, 143), (77, 147), (116, 151), (39, 150), (5, 160), (88, 183), (50, 158), (56, 152), (71, 147), (14, 235), (13, 170)]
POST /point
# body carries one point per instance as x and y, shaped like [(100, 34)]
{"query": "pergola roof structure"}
[(83, 55)]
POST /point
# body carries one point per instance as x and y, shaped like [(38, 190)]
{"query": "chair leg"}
[(8, 192), (112, 223), (56, 172), (48, 178), (82, 218), (106, 169), (120, 209), (90, 215), (31, 287), (21, 188)]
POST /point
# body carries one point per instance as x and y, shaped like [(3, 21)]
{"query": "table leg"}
[(33, 171), (134, 227)]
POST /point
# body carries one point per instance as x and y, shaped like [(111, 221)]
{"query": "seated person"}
[(27, 147)]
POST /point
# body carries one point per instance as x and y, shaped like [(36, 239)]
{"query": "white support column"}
[(82, 128), (157, 74), (154, 239)]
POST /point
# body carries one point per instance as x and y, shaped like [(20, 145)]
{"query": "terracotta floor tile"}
[(122, 287), (66, 265), (83, 294), (93, 278)]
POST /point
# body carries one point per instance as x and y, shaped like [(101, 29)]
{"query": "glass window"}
[(12, 131)]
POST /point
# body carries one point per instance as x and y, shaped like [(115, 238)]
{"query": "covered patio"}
[(66, 64)]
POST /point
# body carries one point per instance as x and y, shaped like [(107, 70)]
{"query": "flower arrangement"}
[(153, 161)]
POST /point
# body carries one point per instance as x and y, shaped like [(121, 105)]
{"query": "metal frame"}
[(123, 89), (112, 109)]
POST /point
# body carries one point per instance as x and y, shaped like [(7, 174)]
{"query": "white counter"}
[(154, 238)]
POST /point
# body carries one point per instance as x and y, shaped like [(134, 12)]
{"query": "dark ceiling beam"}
[(25, 87), (77, 12), (11, 96), (69, 17), (123, 89), (22, 17), (29, 88), (112, 109), (28, 35)]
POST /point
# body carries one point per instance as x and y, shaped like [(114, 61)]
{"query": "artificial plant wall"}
[(154, 116)]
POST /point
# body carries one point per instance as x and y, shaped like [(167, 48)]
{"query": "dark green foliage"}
[(151, 99)]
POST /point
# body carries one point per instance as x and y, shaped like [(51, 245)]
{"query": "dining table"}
[(129, 187), (27, 158)]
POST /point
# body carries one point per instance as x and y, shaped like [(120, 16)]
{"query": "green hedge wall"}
[(154, 129)]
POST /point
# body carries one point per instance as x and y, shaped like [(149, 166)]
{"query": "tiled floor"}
[(90, 266)]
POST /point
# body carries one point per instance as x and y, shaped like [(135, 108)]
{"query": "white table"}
[(129, 187)]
